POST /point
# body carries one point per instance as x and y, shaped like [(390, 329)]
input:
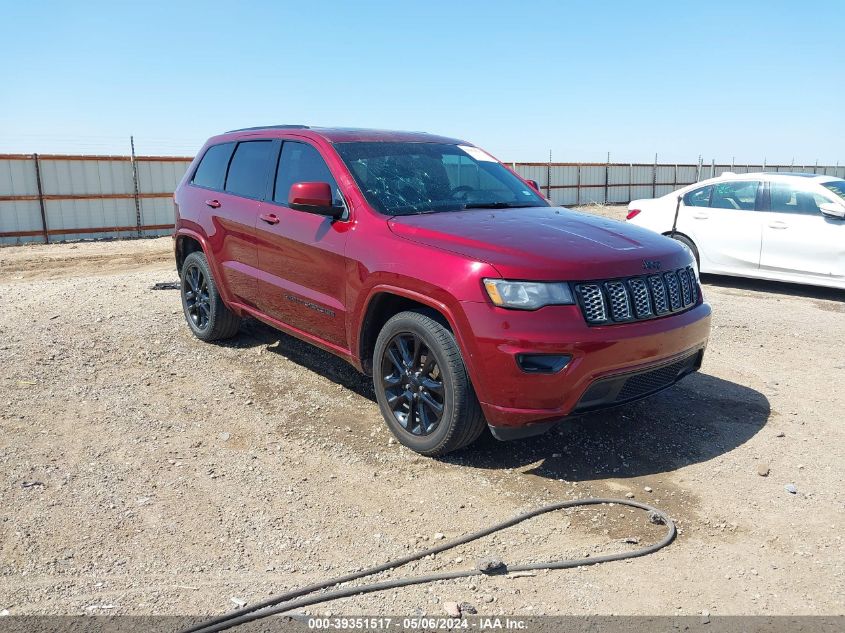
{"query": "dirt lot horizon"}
[(145, 472)]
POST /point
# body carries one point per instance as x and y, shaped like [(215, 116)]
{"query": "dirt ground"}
[(143, 471)]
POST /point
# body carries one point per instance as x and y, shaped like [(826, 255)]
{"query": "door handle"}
[(269, 218), (778, 225), (700, 216), (214, 204)]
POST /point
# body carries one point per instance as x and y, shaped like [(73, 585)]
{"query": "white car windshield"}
[(836, 186)]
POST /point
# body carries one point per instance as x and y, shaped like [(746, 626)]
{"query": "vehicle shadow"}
[(694, 421), (774, 287), (254, 333)]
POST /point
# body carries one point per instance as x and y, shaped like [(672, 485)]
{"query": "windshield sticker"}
[(478, 154)]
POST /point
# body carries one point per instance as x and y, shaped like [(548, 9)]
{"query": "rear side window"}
[(699, 197), (211, 171), (301, 162), (741, 195), (248, 170)]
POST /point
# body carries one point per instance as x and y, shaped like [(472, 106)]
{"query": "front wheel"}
[(422, 386)]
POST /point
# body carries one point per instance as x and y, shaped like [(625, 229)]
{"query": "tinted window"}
[(212, 168), (300, 162), (699, 197), (734, 195), (787, 198), (248, 171)]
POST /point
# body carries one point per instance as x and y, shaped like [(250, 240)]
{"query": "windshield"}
[(411, 178), (836, 186)]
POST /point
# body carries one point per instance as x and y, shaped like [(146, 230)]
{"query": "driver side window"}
[(300, 162)]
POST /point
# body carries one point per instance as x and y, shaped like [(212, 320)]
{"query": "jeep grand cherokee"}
[(427, 263)]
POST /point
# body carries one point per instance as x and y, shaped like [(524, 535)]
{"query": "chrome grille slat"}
[(593, 303), (673, 288), (620, 304), (693, 284), (638, 298), (686, 295), (658, 292), (642, 299)]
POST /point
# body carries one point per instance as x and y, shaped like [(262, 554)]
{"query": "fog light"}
[(542, 363)]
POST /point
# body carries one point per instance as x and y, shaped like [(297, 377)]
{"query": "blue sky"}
[(721, 79)]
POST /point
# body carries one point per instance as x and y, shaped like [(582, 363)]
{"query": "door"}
[(723, 221), (303, 270), (798, 239), (224, 196)]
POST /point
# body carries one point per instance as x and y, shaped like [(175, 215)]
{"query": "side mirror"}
[(534, 184), (833, 209), (313, 197)]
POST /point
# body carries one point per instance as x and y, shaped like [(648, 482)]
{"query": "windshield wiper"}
[(496, 205)]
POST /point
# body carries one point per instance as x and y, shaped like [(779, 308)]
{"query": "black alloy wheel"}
[(207, 315), (422, 386), (413, 384), (197, 303)]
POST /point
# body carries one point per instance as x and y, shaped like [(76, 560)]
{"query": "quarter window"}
[(300, 162), (211, 171), (699, 197), (248, 171), (735, 195)]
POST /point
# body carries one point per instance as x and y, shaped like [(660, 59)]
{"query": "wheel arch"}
[(384, 302)]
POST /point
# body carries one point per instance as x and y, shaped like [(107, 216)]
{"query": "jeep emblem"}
[(651, 264)]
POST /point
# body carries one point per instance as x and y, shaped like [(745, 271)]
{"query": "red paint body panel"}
[(315, 278)]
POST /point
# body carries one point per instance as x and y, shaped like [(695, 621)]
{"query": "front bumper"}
[(604, 359)]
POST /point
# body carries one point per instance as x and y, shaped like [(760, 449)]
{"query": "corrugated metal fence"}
[(58, 198), (572, 184)]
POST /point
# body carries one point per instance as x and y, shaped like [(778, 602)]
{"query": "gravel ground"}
[(145, 472)]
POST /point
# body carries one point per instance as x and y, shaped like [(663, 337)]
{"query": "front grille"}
[(637, 298)]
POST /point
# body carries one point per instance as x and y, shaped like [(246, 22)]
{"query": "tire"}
[(687, 242), (434, 354), (208, 318)]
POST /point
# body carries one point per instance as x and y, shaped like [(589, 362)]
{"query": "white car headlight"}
[(527, 295)]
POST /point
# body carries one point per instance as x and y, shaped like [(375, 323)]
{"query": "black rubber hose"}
[(301, 598)]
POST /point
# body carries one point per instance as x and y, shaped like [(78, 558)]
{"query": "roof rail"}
[(270, 127)]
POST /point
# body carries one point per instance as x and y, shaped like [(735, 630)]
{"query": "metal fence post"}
[(578, 187), (698, 172), (630, 181), (712, 167), (607, 179), (549, 177), (137, 189), (44, 232), (654, 178)]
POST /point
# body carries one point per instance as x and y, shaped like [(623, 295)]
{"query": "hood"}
[(543, 243)]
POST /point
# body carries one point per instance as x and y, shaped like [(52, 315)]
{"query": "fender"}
[(212, 262), (454, 317)]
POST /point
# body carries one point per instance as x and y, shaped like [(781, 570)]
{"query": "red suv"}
[(427, 263)]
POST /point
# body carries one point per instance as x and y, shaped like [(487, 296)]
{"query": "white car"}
[(785, 227)]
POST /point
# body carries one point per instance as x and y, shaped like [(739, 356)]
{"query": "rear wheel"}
[(687, 243), (422, 386), (206, 314)]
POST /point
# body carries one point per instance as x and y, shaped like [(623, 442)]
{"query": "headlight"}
[(527, 295)]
